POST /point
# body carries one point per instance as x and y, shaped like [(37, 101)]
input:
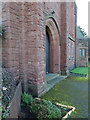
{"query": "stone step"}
[(51, 76), (54, 81)]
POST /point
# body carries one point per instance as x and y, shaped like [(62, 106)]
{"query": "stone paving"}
[(53, 79)]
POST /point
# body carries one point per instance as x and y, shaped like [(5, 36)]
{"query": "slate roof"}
[(80, 35)]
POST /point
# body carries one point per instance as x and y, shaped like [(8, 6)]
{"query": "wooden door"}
[(47, 53)]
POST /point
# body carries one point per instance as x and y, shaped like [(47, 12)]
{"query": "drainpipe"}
[(75, 31)]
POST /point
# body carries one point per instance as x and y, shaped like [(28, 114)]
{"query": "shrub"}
[(26, 99), (44, 109)]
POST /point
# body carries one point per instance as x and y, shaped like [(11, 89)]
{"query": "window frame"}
[(82, 52)]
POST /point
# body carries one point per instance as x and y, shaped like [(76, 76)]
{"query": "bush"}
[(26, 99), (44, 109)]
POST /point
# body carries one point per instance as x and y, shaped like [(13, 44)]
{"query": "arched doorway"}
[(47, 52), (52, 47)]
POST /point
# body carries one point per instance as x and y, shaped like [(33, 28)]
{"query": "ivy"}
[(1, 30)]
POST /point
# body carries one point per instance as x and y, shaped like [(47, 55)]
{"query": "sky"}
[(82, 14)]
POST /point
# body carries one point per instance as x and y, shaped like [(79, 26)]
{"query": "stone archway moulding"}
[(55, 22), (55, 45)]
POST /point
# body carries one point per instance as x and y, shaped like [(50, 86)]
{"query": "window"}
[(72, 53), (69, 51), (82, 52)]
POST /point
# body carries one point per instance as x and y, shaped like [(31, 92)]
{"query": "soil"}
[(24, 112)]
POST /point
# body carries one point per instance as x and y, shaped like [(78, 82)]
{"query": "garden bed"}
[(66, 111), (70, 110), (43, 109), (8, 87), (13, 108)]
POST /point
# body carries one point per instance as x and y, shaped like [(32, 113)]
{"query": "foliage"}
[(5, 113), (26, 99), (88, 64), (44, 109), (1, 30), (64, 111), (8, 90)]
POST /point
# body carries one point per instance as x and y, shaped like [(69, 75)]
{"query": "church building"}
[(39, 38)]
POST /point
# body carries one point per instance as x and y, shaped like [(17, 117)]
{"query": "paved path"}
[(70, 91), (53, 81)]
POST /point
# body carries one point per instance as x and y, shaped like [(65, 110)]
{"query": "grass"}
[(88, 64), (72, 91), (80, 70)]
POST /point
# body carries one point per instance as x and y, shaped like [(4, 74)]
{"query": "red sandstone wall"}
[(54, 37), (56, 6), (81, 61), (10, 20), (24, 42), (65, 16), (71, 24), (36, 47), (63, 38)]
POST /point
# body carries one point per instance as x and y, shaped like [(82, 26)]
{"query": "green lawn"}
[(88, 64), (80, 70), (71, 91)]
